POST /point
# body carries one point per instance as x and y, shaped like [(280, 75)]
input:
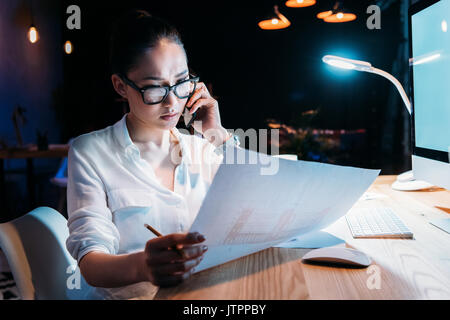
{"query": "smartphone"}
[(189, 118)]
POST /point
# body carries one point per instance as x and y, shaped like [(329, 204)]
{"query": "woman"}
[(143, 170)]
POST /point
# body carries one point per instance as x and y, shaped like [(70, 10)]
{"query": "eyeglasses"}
[(156, 94)]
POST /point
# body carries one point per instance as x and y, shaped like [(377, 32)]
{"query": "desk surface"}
[(54, 151), (407, 269)]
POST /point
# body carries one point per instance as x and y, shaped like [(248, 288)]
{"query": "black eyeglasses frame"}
[(168, 88)]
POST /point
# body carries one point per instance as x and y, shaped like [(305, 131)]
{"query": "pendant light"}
[(337, 15), (340, 17), (33, 34), (68, 47), (325, 14), (300, 3), (278, 21)]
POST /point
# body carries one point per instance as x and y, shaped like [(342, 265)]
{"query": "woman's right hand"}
[(164, 266)]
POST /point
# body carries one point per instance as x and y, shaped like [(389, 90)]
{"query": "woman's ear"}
[(119, 85)]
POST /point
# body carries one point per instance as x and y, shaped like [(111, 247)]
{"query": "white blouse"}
[(112, 192)]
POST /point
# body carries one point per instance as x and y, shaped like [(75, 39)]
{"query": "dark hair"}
[(133, 34)]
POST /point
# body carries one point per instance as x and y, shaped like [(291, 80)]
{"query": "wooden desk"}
[(408, 269), (29, 153)]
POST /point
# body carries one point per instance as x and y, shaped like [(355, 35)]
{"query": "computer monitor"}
[(429, 22)]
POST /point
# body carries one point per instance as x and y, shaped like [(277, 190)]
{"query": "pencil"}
[(155, 232), (158, 234)]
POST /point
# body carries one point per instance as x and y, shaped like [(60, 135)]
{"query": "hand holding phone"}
[(203, 108), (188, 118)]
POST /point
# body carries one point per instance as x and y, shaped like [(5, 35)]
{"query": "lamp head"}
[(345, 63)]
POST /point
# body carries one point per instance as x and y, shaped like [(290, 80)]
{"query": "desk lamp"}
[(405, 181)]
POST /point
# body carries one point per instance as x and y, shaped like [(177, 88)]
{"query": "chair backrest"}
[(34, 246)]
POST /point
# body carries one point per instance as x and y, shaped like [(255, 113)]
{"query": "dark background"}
[(257, 75)]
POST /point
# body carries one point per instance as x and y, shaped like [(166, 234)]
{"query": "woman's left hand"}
[(208, 115)]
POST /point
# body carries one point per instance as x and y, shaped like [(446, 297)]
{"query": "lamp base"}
[(407, 182), (443, 224)]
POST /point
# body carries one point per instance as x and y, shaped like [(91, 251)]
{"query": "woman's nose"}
[(170, 100)]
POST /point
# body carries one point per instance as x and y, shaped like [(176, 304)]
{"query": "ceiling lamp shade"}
[(340, 17), (300, 3), (277, 22), (337, 15), (325, 14)]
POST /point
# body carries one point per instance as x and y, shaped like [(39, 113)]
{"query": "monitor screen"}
[(430, 61)]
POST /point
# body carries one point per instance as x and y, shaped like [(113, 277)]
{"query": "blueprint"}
[(247, 210)]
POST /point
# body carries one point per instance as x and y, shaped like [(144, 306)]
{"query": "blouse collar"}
[(123, 138)]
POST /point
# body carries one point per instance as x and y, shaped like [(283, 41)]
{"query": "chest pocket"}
[(131, 209), (123, 198)]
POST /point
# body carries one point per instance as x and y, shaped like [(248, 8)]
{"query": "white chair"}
[(60, 180), (34, 246)]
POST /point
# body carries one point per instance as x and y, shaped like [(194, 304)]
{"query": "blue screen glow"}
[(431, 66)]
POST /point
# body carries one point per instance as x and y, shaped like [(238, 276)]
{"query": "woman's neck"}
[(150, 138)]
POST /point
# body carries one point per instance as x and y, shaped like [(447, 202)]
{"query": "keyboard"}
[(380, 222)]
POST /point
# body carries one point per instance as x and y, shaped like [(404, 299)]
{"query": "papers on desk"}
[(254, 205), (312, 240)]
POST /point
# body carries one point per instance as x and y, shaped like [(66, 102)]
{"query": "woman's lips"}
[(169, 116)]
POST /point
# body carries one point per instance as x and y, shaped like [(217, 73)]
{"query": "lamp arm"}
[(397, 84)]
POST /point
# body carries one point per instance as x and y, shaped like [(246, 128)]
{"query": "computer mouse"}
[(338, 256)]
